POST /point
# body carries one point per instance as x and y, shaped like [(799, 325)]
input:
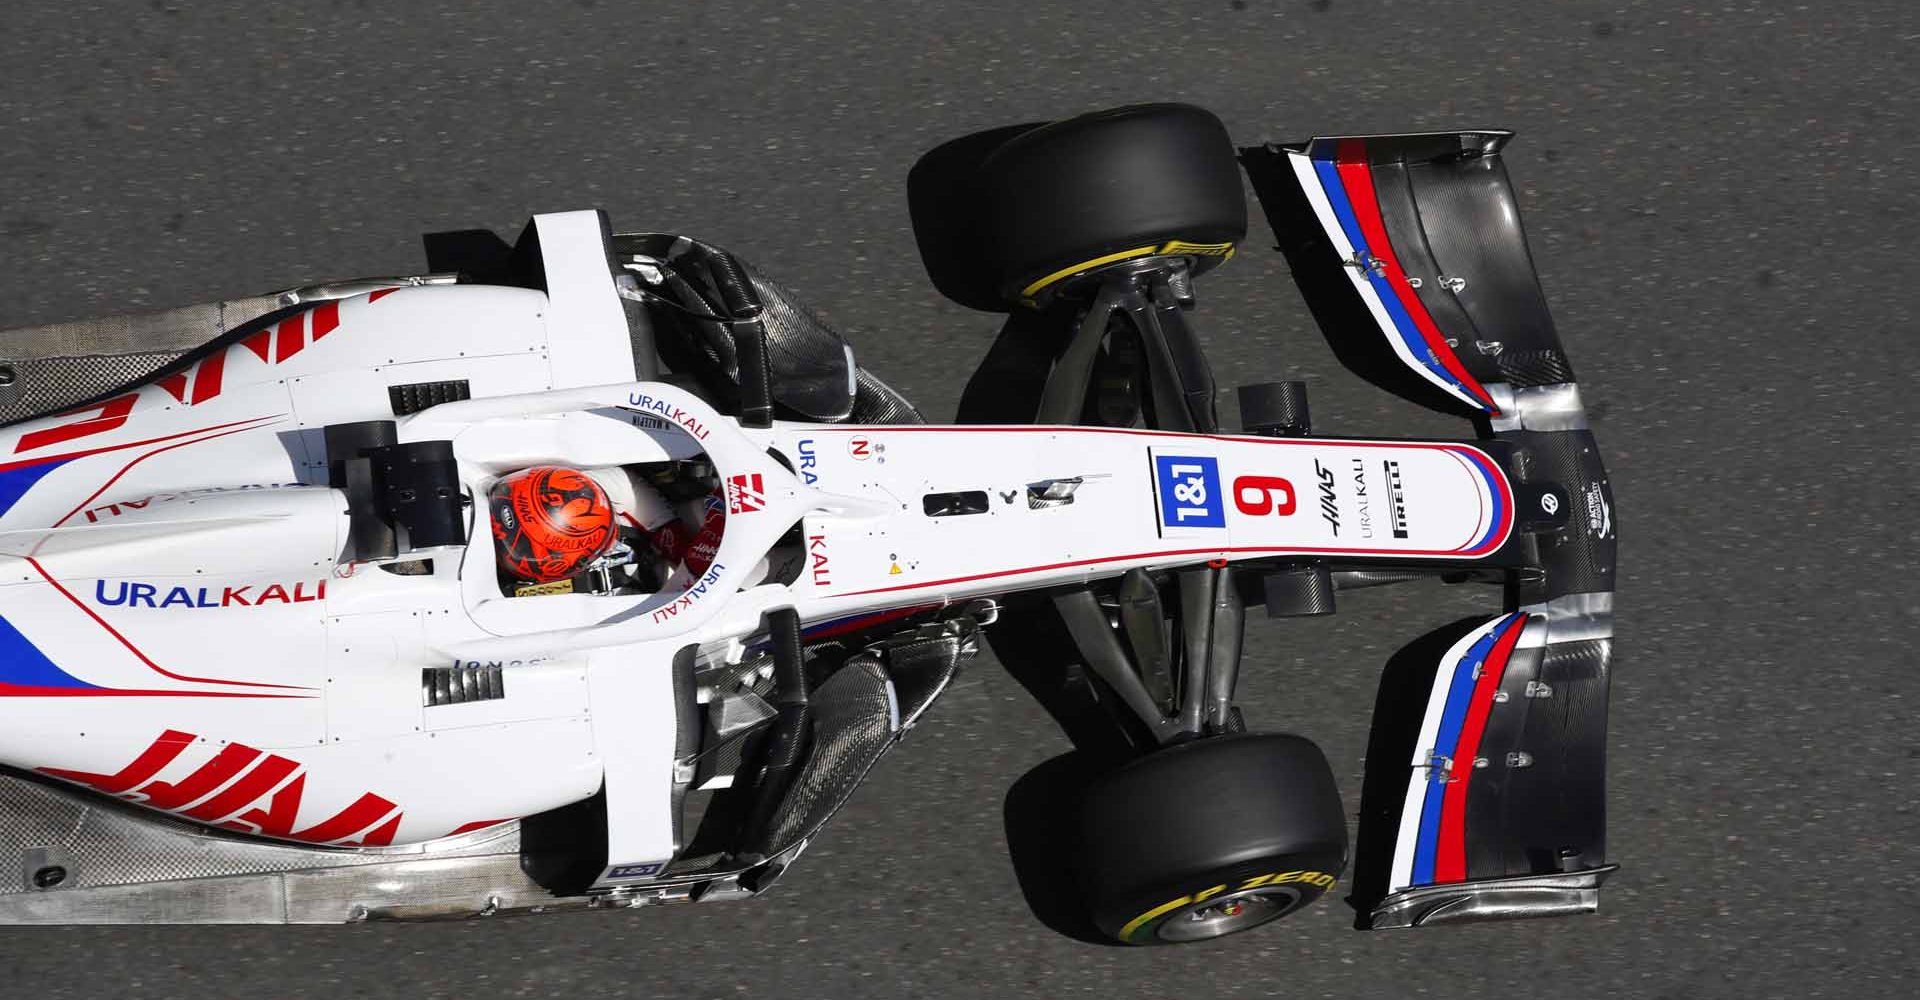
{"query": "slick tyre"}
[(1210, 838), (1110, 186)]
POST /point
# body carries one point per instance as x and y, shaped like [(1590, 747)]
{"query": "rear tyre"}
[(1210, 838), (1133, 182)]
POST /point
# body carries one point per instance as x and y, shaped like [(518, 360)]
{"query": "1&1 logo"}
[(1189, 489)]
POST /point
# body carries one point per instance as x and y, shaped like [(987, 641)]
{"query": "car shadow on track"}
[(1041, 811), (945, 204)]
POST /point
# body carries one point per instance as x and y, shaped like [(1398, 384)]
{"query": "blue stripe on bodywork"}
[(22, 663), (1492, 490), (1404, 326), (1488, 473), (1459, 696), (14, 483), (1342, 206)]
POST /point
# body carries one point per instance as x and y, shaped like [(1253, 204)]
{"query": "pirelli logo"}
[(1221, 250), (1396, 498)]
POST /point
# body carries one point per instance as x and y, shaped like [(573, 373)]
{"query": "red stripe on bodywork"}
[(1169, 554), (1357, 175), (151, 760), (246, 791), (95, 495), (175, 384), (122, 447), (170, 796), (382, 835), (261, 344), (289, 338), (364, 812), (865, 621), (135, 650), (1134, 432), (1450, 858), (326, 316), (111, 414), (39, 691), (381, 294), (277, 818), (206, 377)]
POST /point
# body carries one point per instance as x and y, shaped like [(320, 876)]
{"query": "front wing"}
[(1490, 737)]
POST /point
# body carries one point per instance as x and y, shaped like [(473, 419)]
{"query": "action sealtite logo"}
[(1599, 512), (745, 493)]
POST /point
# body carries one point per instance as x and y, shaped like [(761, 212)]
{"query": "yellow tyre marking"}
[(1126, 933), (1224, 251), (1320, 880), (1027, 292)]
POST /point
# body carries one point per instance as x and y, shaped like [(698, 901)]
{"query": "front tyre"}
[(1210, 838), (1152, 180)]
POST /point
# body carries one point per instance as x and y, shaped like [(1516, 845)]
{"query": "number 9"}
[(1258, 495)]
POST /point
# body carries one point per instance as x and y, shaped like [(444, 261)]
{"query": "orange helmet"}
[(549, 523)]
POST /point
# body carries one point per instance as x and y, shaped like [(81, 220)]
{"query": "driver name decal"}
[(668, 410), (1189, 490)]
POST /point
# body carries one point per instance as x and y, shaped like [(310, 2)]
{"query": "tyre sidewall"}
[(1136, 918), (1208, 817)]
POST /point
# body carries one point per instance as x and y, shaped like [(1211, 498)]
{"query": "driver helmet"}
[(549, 523)]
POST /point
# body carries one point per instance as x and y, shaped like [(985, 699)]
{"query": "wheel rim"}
[(1229, 914)]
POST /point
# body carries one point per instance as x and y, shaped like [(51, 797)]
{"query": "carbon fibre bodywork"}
[(1417, 238)]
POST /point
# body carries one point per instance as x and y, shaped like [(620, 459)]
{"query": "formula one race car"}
[(598, 573)]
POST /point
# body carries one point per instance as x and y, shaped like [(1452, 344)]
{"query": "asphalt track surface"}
[(1721, 202)]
